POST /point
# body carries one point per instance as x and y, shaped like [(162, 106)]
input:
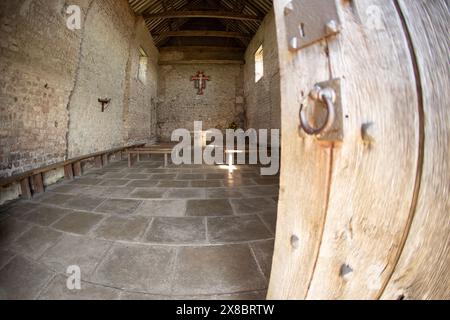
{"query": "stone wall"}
[(108, 69), (51, 79), (141, 94), (180, 105), (38, 61), (262, 99)]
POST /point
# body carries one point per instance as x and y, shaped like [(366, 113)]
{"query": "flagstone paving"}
[(147, 232)]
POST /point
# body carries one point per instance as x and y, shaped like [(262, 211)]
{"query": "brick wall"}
[(262, 99)]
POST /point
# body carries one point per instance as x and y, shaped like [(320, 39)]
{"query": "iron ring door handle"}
[(328, 96)]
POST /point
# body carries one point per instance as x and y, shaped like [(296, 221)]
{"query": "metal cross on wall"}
[(200, 82)]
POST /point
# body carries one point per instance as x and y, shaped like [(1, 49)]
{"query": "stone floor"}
[(147, 232)]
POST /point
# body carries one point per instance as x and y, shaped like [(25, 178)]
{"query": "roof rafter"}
[(203, 33), (217, 14)]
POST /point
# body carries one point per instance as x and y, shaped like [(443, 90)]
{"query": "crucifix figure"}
[(200, 82)]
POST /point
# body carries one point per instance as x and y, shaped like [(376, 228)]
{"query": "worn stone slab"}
[(44, 215), (17, 208), (206, 184), (114, 175), (264, 253), (252, 205), (251, 175), (219, 176), (138, 176), (267, 181), (75, 250), (122, 228), (237, 229), (233, 183), (22, 279), (94, 191), (114, 182), (173, 184), (69, 189), (78, 222), (190, 176), (148, 193), (179, 230), (87, 181), (119, 206), (223, 193), (6, 255), (270, 220), (163, 176), (216, 270), (204, 208), (192, 193), (162, 208), (84, 203), (11, 229), (117, 192), (259, 191), (57, 290), (137, 268), (56, 199), (36, 241), (143, 183)]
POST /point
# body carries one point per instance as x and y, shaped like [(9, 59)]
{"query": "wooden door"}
[(368, 217)]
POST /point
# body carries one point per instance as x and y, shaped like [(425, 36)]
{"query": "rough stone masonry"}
[(51, 79)]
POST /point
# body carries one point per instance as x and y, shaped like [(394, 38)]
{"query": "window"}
[(259, 64), (143, 61)]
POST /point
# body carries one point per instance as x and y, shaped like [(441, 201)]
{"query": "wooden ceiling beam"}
[(202, 48), (162, 63), (202, 14), (202, 33)]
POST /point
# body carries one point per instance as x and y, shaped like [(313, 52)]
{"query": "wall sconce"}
[(105, 103)]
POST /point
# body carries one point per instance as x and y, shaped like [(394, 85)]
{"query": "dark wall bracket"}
[(105, 103)]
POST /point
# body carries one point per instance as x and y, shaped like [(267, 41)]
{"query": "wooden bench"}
[(32, 182), (164, 149)]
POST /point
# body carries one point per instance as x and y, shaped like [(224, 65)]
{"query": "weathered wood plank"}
[(99, 161), (68, 172), (423, 270), (130, 159), (77, 169), (105, 159), (202, 14), (374, 169), (16, 178), (203, 33), (26, 188), (189, 62), (38, 183), (305, 171)]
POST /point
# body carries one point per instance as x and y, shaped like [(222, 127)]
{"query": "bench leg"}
[(26, 189), (138, 157), (98, 162), (68, 172), (77, 170), (131, 160), (38, 183), (165, 160), (105, 159)]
